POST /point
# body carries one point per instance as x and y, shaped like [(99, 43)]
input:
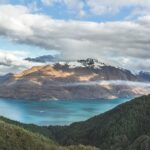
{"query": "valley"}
[(126, 127)]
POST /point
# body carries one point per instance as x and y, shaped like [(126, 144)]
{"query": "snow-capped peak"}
[(83, 63)]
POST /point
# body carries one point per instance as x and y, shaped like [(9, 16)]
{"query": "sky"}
[(114, 32)]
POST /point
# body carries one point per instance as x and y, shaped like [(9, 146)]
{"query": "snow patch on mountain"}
[(82, 63)]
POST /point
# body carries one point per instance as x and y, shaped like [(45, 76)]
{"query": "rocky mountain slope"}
[(83, 79)]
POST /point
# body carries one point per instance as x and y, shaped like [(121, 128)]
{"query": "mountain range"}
[(145, 75), (82, 79)]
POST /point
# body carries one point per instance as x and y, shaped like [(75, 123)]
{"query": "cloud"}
[(101, 7), (109, 83), (48, 2), (13, 61), (124, 41), (33, 6), (75, 6), (4, 1)]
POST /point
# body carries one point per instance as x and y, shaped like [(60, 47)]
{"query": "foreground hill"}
[(83, 79), (127, 127), (13, 137)]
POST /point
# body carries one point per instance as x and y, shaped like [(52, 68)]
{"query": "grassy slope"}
[(16, 138), (30, 127), (116, 129), (13, 137)]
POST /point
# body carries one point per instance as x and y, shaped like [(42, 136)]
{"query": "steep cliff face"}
[(83, 79)]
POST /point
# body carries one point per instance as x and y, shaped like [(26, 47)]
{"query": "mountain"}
[(6, 77), (126, 127), (82, 79), (13, 137), (42, 59), (145, 75)]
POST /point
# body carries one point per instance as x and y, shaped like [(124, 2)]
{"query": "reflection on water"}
[(59, 112)]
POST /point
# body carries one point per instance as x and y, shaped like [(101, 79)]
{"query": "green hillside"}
[(16, 138), (127, 127), (13, 137), (30, 127)]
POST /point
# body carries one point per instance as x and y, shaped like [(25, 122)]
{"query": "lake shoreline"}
[(60, 112)]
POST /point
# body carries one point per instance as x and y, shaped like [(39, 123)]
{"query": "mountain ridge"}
[(125, 127), (74, 80)]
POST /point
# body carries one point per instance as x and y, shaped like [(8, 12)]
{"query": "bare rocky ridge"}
[(83, 79)]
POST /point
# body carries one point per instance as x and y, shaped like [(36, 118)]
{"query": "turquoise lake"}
[(60, 112)]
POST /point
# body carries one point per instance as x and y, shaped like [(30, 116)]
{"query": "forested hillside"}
[(13, 137), (125, 127)]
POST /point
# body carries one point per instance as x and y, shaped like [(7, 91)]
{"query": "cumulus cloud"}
[(13, 61), (124, 41), (102, 7)]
